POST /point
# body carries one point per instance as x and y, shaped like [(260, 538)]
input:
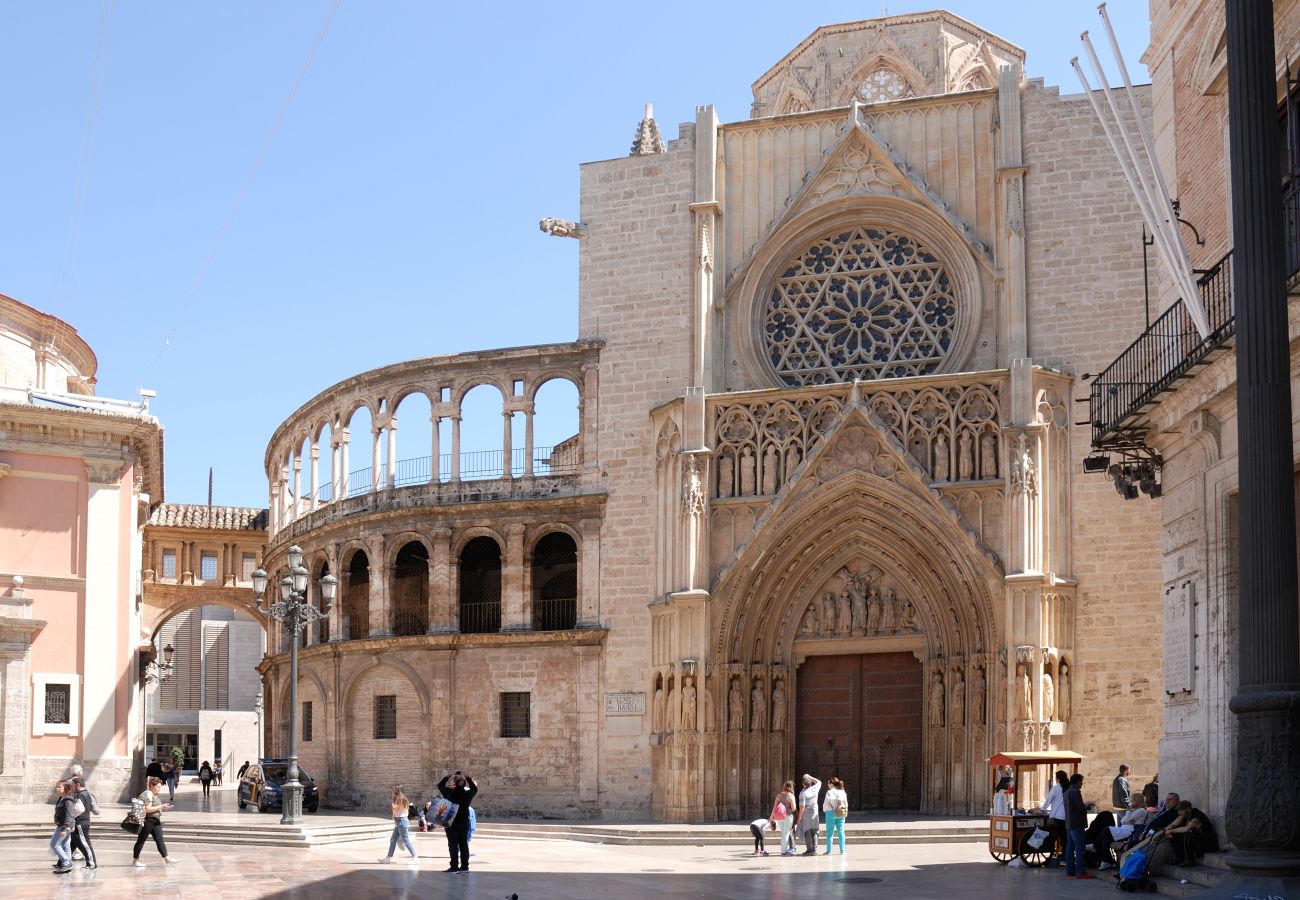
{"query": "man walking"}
[(1120, 791), (459, 789), (81, 826), (1076, 820)]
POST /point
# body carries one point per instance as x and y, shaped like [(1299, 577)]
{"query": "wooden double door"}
[(859, 717)]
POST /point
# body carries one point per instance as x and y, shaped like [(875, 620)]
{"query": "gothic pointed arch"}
[(881, 77)]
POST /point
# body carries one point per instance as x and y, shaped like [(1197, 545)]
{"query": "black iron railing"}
[(1167, 351), (555, 614), (475, 465), (480, 617)]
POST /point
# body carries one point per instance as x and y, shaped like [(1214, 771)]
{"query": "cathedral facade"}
[(821, 510)]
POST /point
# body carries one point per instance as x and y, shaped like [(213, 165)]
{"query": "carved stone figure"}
[(1049, 697), (845, 612), (828, 613), (809, 627), (936, 701), (977, 697), (988, 457), (560, 228), (692, 488), (791, 461), (873, 609), (746, 473), (1023, 477), (726, 475), (706, 695), (778, 707), (1026, 695), (859, 619), (674, 714), (1063, 695), (769, 471), (941, 458), (907, 618), (888, 610), (957, 700), (688, 704), (735, 707), (657, 715), (758, 707), (965, 461)]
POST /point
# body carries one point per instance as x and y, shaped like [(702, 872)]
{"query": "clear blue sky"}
[(394, 214)]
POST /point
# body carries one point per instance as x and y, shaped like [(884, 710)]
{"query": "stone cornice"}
[(44, 329), (838, 113), (53, 581)]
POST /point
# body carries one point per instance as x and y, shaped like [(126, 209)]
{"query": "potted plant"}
[(177, 755)]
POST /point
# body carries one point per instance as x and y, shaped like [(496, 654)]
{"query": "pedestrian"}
[(1076, 820), (206, 776), (1120, 791), (75, 771), (216, 772), (401, 826), (836, 807), (243, 769), (173, 780), (151, 824), (1151, 792), (1054, 807), (155, 770), (64, 825), (459, 789), (756, 828), (81, 826), (784, 808), (807, 819)]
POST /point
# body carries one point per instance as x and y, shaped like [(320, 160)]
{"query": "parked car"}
[(261, 786)]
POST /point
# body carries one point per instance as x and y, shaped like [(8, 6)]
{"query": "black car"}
[(261, 786)]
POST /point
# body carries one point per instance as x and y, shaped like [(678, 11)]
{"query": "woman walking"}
[(783, 815), (836, 807), (152, 824), (64, 824), (205, 778), (401, 826)]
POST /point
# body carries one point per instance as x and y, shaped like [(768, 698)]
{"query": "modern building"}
[(821, 509), (79, 475)]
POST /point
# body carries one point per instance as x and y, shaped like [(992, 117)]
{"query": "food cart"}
[(1009, 833)]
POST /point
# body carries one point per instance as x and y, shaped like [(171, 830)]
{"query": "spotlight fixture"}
[(1096, 462)]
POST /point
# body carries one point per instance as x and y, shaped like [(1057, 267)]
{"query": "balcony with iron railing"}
[(475, 465)]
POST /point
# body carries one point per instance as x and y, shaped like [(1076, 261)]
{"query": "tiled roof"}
[(198, 515)]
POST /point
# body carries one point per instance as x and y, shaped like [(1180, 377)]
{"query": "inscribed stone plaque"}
[(625, 704), (1180, 637)]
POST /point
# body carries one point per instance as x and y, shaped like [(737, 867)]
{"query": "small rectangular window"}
[(386, 717), (248, 566), (208, 566), (306, 721), (514, 714), (58, 704), (169, 564)]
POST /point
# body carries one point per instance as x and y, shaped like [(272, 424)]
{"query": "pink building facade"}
[(78, 477)]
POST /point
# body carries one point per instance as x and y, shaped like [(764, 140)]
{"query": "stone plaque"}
[(1180, 637), (625, 704)]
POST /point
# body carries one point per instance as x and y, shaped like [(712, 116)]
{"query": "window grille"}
[(58, 704), (480, 587), (248, 565), (515, 706), (208, 566), (386, 717), (169, 564), (306, 720)]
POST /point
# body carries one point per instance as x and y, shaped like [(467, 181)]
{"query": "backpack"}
[(839, 807), (137, 811)]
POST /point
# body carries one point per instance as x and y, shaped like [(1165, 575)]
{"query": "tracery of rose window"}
[(883, 84), (865, 303)]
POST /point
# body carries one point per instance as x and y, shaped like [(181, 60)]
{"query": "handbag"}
[(76, 808), (130, 824)]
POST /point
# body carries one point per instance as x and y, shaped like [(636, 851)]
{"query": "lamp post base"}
[(291, 803)]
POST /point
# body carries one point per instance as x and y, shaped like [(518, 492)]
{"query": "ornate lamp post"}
[(295, 613), (159, 669)]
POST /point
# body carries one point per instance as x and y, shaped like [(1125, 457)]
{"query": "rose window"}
[(882, 85), (865, 303)]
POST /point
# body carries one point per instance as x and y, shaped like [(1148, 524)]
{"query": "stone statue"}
[(791, 461), (726, 475), (845, 613), (907, 617), (957, 700), (1049, 697), (673, 712), (735, 707), (746, 472), (888, 610), (769, 470), (941, 458), (561, 228), (988, 457), (657, 716), (873, 609), (688, 704), (936, 701), (977, 700), (859, 619), (828, 613), (758, 707), (965, 462), (1026, 696), (693, 500), (1063, 695), (778, 707), (809, 626)]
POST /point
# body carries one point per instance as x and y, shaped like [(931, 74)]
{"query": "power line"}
[(238, 201)]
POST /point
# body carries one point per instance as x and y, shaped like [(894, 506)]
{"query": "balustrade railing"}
[(481, 617), (555, 614)]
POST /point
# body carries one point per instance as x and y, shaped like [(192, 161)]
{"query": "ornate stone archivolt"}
[(854, 604)]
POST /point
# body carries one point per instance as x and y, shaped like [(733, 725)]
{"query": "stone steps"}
[(1189, 881)]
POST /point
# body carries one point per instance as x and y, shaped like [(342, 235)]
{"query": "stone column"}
[(336, 477), (528, 440), (105, 663), (1263, 814), (315, 477), (455, 448), (380, 580), (440, 613), (344, 473), (435, 462), (588, 415), (507, 441), (589, 574), (297, 484), (589, 723), (391, 481), (1011, 177), (375, 432), (512, 582)]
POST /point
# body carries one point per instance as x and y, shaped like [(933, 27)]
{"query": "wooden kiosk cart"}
[(1009, 834)]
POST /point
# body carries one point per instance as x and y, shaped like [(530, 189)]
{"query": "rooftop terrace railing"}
[(475, 465)]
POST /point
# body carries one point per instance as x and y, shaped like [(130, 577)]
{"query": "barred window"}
[(515, 717), (208, 566), (169, 564), (386, 717), (58, 704), (306, 721)]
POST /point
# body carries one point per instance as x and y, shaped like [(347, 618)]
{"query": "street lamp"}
[(295, 613), (158, 670)]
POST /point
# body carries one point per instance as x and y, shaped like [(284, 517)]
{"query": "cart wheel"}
[(1152, 887), (1001, 856), (1032, 857)]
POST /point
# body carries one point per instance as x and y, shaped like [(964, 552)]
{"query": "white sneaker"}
[(385, 859), (413, 859), (137, 865), (168, 861)]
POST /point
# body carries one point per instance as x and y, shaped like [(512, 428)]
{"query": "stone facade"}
[(826, 362)]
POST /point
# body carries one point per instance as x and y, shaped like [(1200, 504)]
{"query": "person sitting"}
[(1190, 834), (1130, 822), (1163, 816)]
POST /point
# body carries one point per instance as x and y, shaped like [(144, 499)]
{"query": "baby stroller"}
[(1135, 865)]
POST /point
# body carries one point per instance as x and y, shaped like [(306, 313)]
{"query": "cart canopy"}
[(1048, 757)]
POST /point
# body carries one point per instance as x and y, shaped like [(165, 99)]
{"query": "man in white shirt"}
[(809, 804)]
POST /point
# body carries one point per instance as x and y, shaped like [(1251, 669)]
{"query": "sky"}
[(240, 204)]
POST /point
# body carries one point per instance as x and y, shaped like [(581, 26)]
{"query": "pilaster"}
[(512, 581)]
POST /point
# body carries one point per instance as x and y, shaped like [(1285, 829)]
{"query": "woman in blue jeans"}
[(401, 826)]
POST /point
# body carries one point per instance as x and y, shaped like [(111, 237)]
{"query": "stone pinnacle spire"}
[(647, 140)]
